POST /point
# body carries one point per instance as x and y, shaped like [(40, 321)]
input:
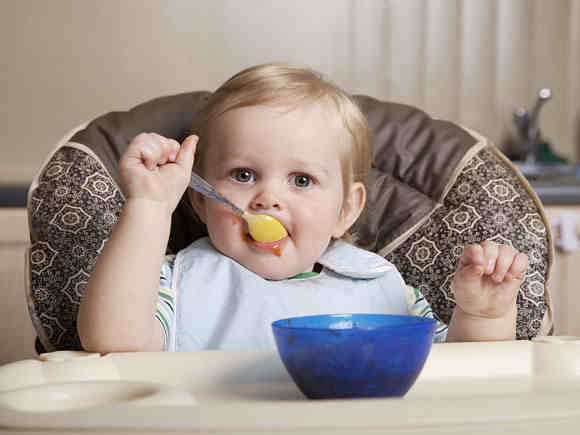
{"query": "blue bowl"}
[(354, 355)]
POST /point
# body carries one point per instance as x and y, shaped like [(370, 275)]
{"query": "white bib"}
[(222, 305)]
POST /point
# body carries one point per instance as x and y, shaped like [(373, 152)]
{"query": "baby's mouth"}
[(273, 247)]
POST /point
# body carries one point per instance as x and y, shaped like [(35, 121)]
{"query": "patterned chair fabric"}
[(487, 201), (434, 188)]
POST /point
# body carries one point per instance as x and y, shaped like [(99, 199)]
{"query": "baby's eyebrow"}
[(310, 166), (234, 158)]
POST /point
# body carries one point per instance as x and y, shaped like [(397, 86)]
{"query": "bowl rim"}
[(278, 324)]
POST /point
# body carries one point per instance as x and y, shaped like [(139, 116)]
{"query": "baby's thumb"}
[(187, 152)]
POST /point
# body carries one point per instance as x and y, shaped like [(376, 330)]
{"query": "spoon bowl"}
[(264, 228)]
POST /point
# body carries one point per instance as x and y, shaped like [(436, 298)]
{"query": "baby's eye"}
[(301, 180), (243, 175)]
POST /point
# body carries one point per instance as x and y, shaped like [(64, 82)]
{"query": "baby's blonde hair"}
[(283, 85)]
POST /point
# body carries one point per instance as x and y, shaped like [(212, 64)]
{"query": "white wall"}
[(471, 61)]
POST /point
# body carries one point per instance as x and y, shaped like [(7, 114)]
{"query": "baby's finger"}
[(187, 152), (490, 252), (472, 255), (468, 276), (168, 147), (142, 149), (518, 267), (152, 151), (173, 149), (505, 258)]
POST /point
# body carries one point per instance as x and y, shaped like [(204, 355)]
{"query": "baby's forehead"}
[(319, 118), (256, 132)]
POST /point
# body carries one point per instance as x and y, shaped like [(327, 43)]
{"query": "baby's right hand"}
[(157, 168)]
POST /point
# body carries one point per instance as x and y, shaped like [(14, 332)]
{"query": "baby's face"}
[(282, 163)]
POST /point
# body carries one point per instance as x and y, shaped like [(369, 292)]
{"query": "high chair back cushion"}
[(434, 187)]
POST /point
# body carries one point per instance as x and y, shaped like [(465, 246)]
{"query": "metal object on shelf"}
[(528, 127)]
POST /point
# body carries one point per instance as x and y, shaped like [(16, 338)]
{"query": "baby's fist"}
[(487, 279)]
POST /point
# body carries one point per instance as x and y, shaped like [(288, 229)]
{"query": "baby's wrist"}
[(505, 312), (474, 327), (152, 208)]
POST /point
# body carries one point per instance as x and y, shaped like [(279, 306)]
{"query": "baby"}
[(281, 141)]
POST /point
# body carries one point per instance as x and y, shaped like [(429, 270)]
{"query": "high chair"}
[(434, 187)]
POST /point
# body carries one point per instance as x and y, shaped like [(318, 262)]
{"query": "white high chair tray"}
[(518, 387)]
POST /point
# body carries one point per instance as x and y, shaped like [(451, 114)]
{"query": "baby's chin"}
[(275, 268), (268, 265), (272, 273)]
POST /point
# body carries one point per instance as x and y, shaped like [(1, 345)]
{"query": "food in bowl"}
[(354, 355)]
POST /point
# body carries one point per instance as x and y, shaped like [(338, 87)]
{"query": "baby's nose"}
[(264, 201)]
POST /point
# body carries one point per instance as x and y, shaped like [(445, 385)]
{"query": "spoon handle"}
[(206, 189)]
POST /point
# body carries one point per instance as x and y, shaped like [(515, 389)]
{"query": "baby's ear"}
[(197, 201), (351, 209)]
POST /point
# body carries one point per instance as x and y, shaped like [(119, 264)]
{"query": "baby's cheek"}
[(220, 223)]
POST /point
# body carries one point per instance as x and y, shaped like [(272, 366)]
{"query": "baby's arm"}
[(485, 286), (118, 307)]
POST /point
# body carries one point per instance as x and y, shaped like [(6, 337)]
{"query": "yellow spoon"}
[(263, 228)]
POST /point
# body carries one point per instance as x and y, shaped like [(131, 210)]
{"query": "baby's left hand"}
[(487, 279)]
